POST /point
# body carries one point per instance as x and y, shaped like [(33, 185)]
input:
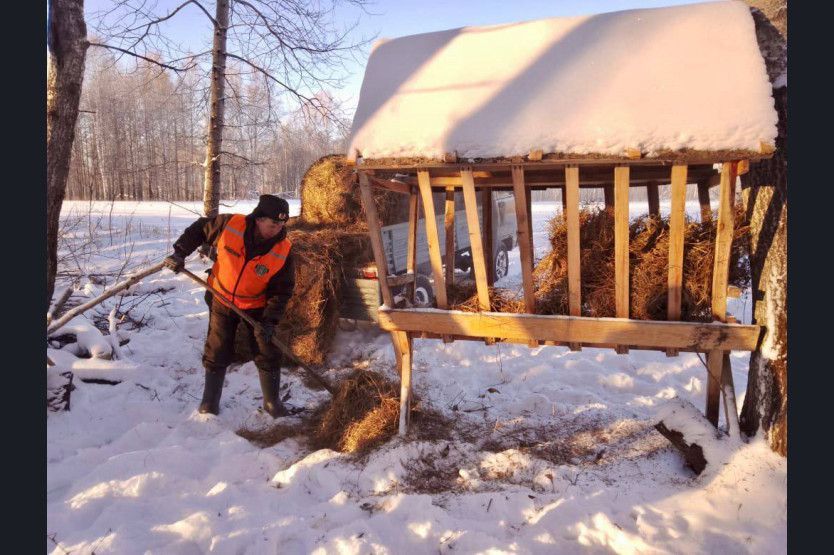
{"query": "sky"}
[(396, 18)]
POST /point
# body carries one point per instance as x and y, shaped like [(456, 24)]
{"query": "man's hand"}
[(174, 262), (267, 331)]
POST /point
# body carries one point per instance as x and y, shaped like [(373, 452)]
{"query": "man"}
[(254, 272)]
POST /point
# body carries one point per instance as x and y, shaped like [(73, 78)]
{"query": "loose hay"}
[(364, 413)]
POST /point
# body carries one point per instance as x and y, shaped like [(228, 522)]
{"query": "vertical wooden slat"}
[(564, 200), (524, 239), (676, 235), (411, 254), (376, 238), (404, 350), (621, 263), (723, 242), (703, 199), (715, 363), (572, 219), (489, 247), (449, 224), (570, 197), (530, 224), (424, 183), (653, 195), (470, 202)]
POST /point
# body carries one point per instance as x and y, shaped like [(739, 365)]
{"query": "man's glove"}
[(174, 262), (267, 331)]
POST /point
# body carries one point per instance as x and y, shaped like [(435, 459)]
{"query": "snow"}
[(133, 468), (676, 77)]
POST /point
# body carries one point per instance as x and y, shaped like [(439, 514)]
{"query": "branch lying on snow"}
[(693, 435)]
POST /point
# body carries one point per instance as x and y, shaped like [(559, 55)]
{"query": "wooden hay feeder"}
[(450, 163)]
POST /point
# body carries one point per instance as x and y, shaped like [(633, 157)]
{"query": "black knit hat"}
[(270, 206)]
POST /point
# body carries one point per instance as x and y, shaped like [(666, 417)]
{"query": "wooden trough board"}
[(640, 334)]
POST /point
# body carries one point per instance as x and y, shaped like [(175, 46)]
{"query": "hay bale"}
[(330, 196)]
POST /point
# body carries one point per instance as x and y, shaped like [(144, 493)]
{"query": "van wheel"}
[(502, 263), (423, 292)]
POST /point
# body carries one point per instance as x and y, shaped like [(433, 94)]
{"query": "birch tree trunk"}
[(765, 195), (66, 49), (212, 186)]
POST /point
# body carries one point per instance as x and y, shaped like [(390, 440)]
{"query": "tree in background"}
[(66, 49), (291, 45), (765, 190)]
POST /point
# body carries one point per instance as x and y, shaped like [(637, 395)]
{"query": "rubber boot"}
[(212, 391), (270, 381)]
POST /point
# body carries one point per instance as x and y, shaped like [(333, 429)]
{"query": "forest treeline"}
[(141, 135)]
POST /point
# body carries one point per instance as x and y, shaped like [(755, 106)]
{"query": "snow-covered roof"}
[(684, 77)]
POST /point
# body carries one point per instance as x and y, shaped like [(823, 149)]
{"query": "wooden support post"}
[(723, 242), (404, 351), (432, 239), (608, 192), (621, 260), (449, 224), (571, 197), (489, 247), (729, 395), (715, 364), (676, 235), (411, 254), (703, 199), (653, 195), (375, 232), (470, 202)]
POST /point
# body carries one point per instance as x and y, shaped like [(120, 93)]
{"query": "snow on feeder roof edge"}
[(685, 79)]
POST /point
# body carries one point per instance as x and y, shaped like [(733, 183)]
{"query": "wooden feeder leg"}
[(405, 354), (729, 395), (525, 241), (715, 364)]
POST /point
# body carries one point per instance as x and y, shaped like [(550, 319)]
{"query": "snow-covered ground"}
[(133, 468)]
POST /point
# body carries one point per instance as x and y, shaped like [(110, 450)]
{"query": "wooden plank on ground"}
[(674, 279), (524, 239), (449, 224), (376, 238), (653, 194), (690, 336), (723, 242), (432, 239), (621, 258), (470, 202)]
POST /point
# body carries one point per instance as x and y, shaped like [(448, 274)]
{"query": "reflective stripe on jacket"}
[(240, 281)]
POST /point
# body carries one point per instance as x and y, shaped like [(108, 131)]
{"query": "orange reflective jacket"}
[(239, 281)]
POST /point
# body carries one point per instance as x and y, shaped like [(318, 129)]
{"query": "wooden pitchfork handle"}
[(274, 340)]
